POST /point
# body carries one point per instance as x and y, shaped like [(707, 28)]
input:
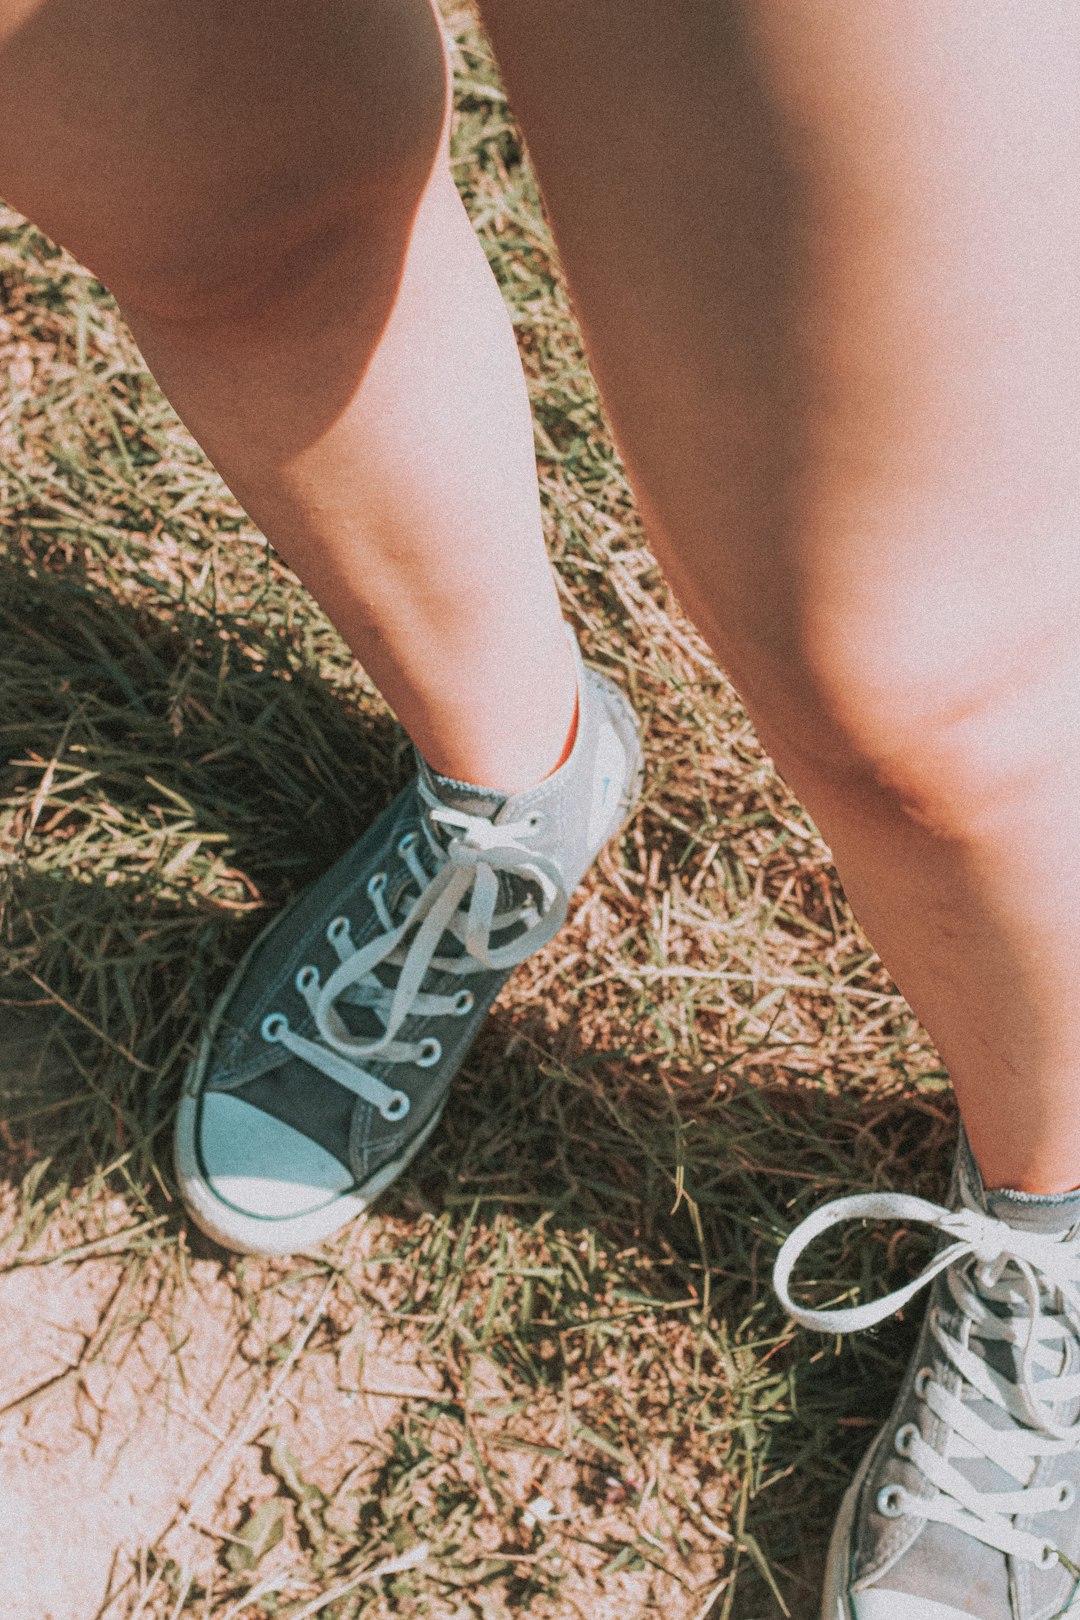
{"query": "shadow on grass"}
[(775, 1419), (169, 779)]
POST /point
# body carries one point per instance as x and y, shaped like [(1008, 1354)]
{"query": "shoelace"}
[(988, 1262), (459, 899)]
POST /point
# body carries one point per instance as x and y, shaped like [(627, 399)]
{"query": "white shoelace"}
[(457, 899), (989, 1263)]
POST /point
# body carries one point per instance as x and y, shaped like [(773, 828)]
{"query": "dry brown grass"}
[(612, 1416)]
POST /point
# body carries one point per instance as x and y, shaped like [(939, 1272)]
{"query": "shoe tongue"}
[(471, 800), (1026, 1212), (464, 796)]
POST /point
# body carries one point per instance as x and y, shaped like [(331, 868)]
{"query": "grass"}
[(621, 1417)]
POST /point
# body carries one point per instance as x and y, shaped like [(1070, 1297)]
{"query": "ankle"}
[(531, 737)]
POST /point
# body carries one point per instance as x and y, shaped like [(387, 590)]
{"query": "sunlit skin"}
[(827, 258), (265, 189), (846, 239)]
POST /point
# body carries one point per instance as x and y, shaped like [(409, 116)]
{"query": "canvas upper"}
[(329, 1057)]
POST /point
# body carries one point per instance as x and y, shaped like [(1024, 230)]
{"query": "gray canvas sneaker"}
[(328, 1059), (966, 1503)]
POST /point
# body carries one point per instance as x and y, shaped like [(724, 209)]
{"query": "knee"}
[(251, 261), (948, 715), (241, 270), (237, 231)]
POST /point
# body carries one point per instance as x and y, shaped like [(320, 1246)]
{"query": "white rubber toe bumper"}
[(879, 1605), (259, 1187)]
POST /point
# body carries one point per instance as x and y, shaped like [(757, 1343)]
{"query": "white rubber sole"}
[(624, 721), (835, 1604)]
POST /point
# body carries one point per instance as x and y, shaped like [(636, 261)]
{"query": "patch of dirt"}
[(122, 1402), (134, 1393), (98, 1448)]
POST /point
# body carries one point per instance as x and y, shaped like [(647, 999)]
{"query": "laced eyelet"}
[(533, 822), (307, 978), (338, 929), (1048, 1557), (922, 1381), (273, 1026), (396, 1106), (429, 1054), (891, 1500), (903, 1438), (376, 884), (1066, 1494), (464, 1002), (407, 842)]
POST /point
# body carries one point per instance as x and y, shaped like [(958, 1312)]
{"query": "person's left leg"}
[(826, 267)]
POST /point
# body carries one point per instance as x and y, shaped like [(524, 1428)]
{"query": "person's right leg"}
[(264, 186)]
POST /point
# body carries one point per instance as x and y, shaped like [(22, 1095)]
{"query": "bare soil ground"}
[(547, 1376)]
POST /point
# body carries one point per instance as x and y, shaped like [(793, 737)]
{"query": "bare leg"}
[(846, 242), (264, 188)]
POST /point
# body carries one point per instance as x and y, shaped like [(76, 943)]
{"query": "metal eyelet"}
[(429, 1054), (396, 1106), (922, 1381), (464, 1002), (307, 978), (338, 929), (891, 1500), (903, 1438), (273, 1026), (376, 884), (407, 842)]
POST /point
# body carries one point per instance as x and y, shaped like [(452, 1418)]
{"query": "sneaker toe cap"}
[(263, 1167)]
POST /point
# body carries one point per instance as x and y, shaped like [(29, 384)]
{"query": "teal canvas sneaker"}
[(328, 1059), (967, 1502)]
